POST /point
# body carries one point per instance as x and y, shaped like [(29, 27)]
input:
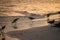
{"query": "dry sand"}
[(32, 6)]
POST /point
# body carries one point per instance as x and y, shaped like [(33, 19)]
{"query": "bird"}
[(3, 28), (51, 22), (15, 20), (48, 15), (31, 18)]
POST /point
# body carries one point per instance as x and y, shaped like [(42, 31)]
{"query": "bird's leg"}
[(51, 25), (3, 35), (15, 26)]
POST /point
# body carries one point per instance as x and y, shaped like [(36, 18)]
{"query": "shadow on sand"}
[(38, 33)]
